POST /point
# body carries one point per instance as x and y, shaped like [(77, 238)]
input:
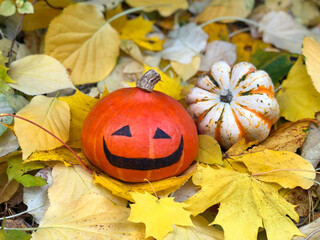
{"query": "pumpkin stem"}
[(149, 80), (226, 96)]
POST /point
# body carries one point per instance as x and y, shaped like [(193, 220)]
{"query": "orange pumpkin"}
[(134, 134)]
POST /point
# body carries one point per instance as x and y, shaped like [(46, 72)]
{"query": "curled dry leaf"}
[(184, 43), (8, 143), (221, 8), (92, 216), (39, 74), (50, 113), (311, 51), (281, 29), (75, 38), (209, 151), (310, 149), (218, 51), (165, 7), (36, 198), (289, 137), (162, 187)]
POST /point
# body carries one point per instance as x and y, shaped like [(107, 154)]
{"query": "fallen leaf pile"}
[(59, 58)]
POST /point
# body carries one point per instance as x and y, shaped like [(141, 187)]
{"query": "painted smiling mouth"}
[(143, 163)]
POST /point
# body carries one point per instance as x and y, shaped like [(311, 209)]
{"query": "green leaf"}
[(17, 170), (26, 8), (14, 235), (277, 65), (7, 8), (5, 108)]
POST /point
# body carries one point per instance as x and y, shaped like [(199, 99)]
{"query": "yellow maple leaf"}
[(165, 7), (280, 165), (43, 14), (83, 42), (92, 216), (221, 8), (158, 215), (141, 28), (246, 204), (209, 151), (162, 187), (50, 113), (311, 50), (80, 105), (167, 85), (297, 97)]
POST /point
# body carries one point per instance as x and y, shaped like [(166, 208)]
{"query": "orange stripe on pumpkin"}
[(268, 121), (241, 130), (263, 89)]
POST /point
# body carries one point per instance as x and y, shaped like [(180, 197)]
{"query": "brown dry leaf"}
[(7, 190), (289, 137), (162, 187), (83, 42), (298, 197), (92, 216), (221, 8)]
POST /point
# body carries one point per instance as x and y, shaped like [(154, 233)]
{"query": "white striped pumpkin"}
[(230, 103)]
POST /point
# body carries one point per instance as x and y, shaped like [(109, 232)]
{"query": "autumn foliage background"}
[(58, 58)]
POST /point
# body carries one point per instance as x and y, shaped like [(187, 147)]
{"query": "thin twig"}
[(15, 36), (49, 4)]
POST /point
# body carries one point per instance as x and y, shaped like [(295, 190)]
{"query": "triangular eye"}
[(124, 131), (161, 134)]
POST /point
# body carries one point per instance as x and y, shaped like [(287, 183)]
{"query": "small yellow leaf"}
[(92, 216), (167, 85), (158, 214), (297, 97), (165, 7), (118, 23), (240, 147), (141, 28), (186, 71), (311, 50), (80, 105), (71, 183), (200, 230), (221, 8), (50, 113), (39, 74), (83, 42), (43, 14), (217, 31), (209, 151), (260, 162), (162, 187), (246, 204)]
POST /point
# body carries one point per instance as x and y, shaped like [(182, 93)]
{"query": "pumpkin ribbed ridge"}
[(231, 103)]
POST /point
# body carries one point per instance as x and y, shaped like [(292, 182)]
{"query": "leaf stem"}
[(131, 10), (219, 19), (49, 4), (66, 145)]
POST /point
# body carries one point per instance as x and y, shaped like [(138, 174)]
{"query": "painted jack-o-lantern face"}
[(135, 135)]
